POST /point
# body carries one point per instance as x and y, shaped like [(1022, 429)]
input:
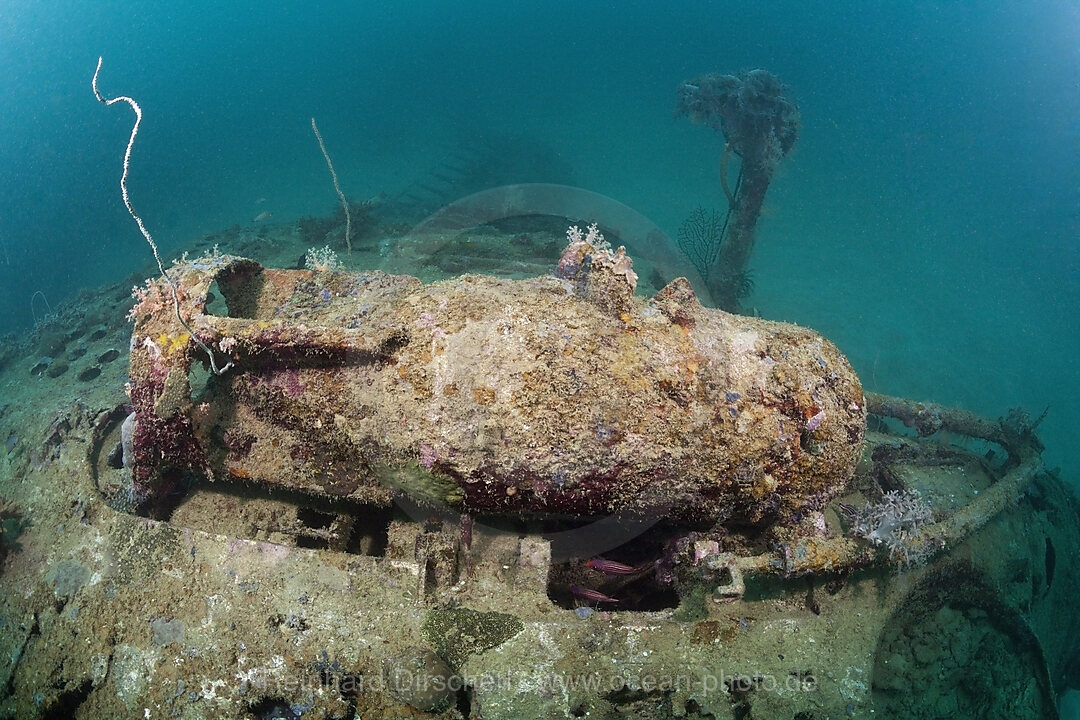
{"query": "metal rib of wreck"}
[(563, 394)]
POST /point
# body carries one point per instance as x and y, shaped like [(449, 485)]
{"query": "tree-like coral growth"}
[(894, 523), (749, 109)]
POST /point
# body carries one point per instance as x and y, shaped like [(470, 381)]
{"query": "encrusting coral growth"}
[(12, 523), (599, 275), (691, 412)]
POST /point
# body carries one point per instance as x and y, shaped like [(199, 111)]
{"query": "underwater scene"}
[(553, 360)]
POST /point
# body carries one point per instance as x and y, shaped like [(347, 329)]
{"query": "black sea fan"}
[(700, 237)]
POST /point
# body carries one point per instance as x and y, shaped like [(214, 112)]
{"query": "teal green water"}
[(928, 220)]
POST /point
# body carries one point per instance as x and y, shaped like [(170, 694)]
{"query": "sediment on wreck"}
[(563, 394)]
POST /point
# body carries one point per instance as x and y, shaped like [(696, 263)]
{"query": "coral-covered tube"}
[(564, 394)]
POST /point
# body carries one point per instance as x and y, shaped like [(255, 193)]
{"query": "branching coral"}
[(700, 236), (893, 523)]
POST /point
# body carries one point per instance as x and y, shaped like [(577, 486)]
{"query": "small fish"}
[(591, 595), (260, 201), (611, 567), (264, 215)]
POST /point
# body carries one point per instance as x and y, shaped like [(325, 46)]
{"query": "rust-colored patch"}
[(483, 395), (706, 632)]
